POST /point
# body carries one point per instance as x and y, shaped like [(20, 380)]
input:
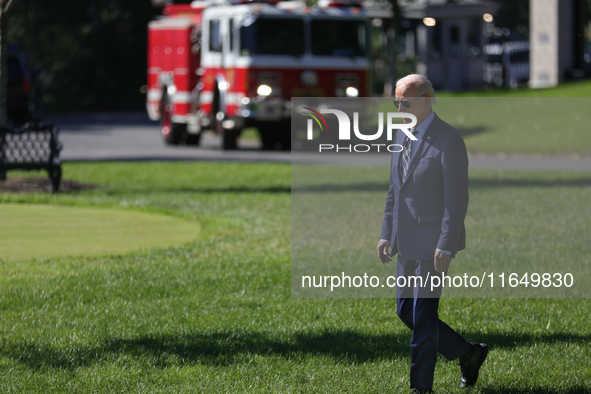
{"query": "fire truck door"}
[(213, 49), (230, 44)]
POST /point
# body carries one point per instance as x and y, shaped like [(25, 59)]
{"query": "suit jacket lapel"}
[(424, 144)]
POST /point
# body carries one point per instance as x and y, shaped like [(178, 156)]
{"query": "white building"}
[(556, 41), (449, 38)]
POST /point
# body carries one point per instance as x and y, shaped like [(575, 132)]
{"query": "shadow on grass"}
[(222, 348), (475, 183), (353, 187), (240, 189), (494, 183), (230, 348), (509, 340), (465, 132), (213, 190), (535, 390)]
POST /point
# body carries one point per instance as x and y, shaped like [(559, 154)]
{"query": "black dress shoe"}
[(421, 391), (471, 367)]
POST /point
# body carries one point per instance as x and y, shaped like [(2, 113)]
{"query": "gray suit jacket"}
[(427, 210)]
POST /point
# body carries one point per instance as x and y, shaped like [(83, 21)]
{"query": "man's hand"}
[(441, 261), (383, 254)]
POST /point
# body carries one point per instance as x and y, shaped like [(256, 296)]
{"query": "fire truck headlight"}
[(352, 92), (264, 90), (228, 124), (171, 89)]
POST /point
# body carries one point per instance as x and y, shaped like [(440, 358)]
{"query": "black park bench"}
[(33, 146)]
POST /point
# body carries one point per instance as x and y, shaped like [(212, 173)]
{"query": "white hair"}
[(422, 84)]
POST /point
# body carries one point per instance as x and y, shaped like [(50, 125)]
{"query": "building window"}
[(435, 41), (454, 41), (474, 34)]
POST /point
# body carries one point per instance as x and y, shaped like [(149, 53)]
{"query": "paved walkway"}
[(108, 137)]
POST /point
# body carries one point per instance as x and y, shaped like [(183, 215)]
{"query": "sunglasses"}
[(406, 103)]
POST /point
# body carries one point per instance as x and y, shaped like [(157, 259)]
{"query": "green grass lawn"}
[(520, 125), (53, 231), (511, 125), (518, 222), (215, 315), (580, 88), (551, 121)]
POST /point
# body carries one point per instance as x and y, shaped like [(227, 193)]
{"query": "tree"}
[(392, 34), (4, 6), (93, 53)]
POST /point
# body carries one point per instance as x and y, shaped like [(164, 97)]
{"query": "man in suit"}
[(424, 224)]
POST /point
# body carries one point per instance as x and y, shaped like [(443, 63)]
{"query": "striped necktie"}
[(407, 154)]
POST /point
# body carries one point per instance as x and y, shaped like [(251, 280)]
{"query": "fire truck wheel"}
[(286, 143), (177, 130), (267, 139), (285, 139), (193, 139), (275, 135), (172, 132), (229, 139)]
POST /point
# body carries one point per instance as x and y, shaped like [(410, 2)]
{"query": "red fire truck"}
[(224, 67)]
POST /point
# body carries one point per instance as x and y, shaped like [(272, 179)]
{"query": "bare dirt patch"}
[(40, 185)]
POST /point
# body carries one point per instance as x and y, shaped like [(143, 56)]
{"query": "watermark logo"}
[(310, 132), (344, 132)]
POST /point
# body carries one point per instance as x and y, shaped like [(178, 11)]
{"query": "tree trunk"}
[(392, 35), (3, 79)]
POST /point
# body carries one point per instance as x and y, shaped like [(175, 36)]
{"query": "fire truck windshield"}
[(273, 36), (332, 37)]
